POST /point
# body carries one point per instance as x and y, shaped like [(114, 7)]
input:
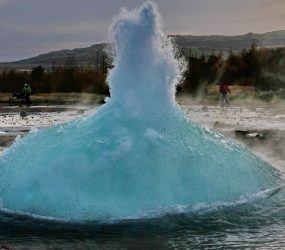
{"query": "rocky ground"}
[(261, 129)]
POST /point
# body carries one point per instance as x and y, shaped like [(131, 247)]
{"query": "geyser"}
[(138, 155)]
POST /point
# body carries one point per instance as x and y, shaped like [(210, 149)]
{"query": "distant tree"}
[(53, 65), (70, 61), (253, 67), (37, 74), (193, 75), (106, 63), (211, 68)]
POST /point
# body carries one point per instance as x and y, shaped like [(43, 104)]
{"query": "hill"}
[(222, 43), (187, 44), (81, 56)]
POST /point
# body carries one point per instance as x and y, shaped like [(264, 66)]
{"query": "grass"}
[(58, 98), (240, 96)]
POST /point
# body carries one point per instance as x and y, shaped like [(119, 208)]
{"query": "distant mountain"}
[(187, 44), (227, 43), (81, 56)]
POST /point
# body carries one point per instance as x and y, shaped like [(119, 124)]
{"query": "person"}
[(26, 92), (224, 90)]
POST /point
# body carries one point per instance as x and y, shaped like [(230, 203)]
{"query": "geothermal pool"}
[(138, 170)]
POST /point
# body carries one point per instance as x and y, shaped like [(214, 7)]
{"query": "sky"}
[(32, 27)]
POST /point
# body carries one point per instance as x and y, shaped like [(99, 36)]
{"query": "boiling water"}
[(138, 157)]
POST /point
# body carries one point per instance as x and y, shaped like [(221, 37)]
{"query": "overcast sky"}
[(32, 27)]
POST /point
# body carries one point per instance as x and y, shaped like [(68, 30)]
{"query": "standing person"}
[(224, 90), (27, 91)]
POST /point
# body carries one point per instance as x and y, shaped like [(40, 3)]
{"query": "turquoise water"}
[(138, 164), (257, 225)]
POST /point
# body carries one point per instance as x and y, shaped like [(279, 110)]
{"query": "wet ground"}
[(261, 129), (17, 121)]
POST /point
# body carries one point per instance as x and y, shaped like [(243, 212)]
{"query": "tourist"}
[(27, 91), (224, 90)]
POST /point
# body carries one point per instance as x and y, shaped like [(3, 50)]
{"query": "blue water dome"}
[(138, 155)]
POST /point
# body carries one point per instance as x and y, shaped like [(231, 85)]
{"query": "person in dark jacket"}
[(27, 91), (224, 90)]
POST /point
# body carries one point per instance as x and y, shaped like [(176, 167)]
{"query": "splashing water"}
[(138, 155)]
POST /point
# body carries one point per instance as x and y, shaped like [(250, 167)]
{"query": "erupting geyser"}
[(138, 155)]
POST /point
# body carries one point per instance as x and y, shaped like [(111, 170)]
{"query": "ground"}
[(261, 127)]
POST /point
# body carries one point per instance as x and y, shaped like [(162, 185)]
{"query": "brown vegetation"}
[(262, 69)]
